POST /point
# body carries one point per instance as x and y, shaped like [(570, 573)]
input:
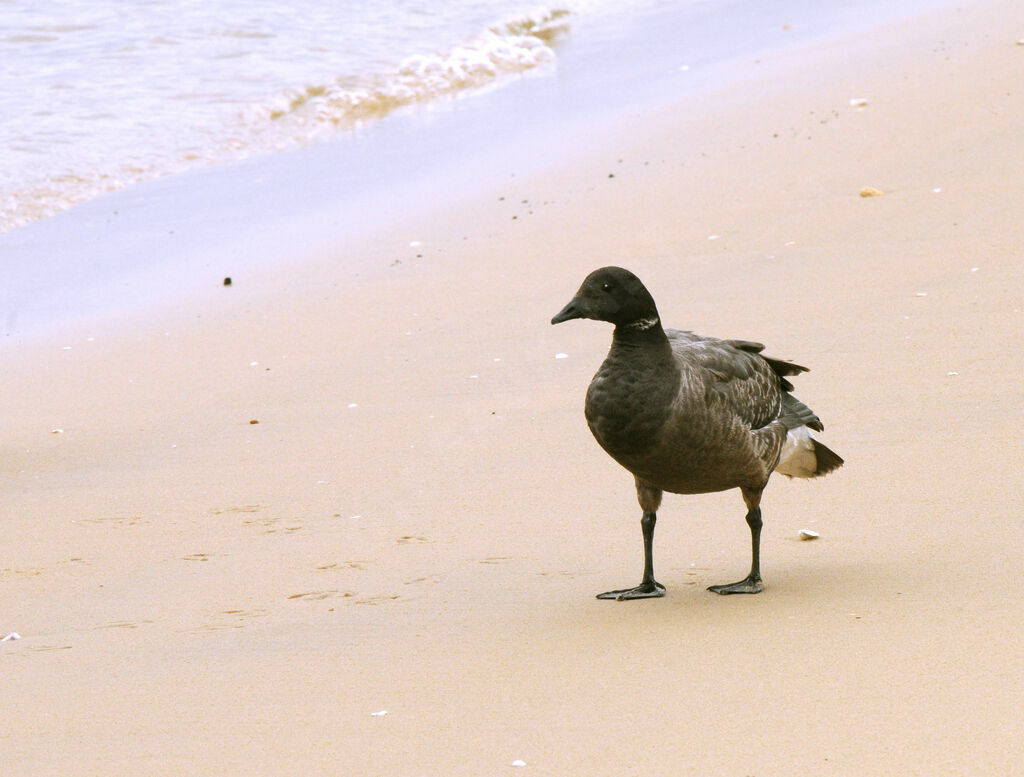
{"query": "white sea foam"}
[(510, 48)]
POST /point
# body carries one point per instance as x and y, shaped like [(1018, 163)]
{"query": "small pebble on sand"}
[(808, 534), (871, 191)]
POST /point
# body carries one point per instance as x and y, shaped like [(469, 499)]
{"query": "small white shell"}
[(808, 534), (561, 356), (11, 637), (518, 764), (858, 102), (379, 713)]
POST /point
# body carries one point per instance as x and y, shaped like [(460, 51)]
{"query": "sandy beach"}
[(352, 523)]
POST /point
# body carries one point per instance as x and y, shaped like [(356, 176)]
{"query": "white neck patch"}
[(643, 324)]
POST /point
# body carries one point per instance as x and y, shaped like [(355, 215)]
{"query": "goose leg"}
[(751, 584), (649, 587)]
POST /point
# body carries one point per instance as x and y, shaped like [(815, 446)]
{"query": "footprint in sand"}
[(197, 557), (246, 614), (410, 539), (123, 624), (426, 579), (241, 509), (271, 525), (121, 521), (340, 565), (237, 619), (377, 599), (318, 595)]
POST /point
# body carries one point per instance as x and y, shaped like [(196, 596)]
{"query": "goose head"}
[(615, 295)]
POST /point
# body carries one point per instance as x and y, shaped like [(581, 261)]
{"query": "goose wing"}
[(737, 379)]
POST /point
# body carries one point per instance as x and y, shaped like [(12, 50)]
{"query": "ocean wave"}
[(509, 48)]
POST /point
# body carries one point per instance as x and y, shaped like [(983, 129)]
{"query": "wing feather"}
[(749, 385)]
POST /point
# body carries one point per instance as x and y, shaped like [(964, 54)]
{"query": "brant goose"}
[(690, 414)]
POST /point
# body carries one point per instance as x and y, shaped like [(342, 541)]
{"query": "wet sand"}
[(419, 519)]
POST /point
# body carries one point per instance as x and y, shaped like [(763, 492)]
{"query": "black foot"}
[(748, 585), (642, 591)]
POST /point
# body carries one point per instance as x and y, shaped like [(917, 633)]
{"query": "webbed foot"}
[(649, 590), (748, 585)]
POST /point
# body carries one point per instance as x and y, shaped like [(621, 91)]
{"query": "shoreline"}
[(419, 519), (153, 245)]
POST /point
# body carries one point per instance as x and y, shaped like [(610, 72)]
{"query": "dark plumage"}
[(691, 414)]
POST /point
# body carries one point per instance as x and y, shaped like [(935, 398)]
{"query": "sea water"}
[(99, 94)]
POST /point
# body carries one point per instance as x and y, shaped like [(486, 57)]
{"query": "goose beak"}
[(573, 310)]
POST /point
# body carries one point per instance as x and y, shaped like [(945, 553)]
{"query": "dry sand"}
[(420, 519)]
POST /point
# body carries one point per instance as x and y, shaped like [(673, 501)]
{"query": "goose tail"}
[(803, 455)]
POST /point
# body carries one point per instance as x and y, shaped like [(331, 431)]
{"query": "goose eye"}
[(606, 287)]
